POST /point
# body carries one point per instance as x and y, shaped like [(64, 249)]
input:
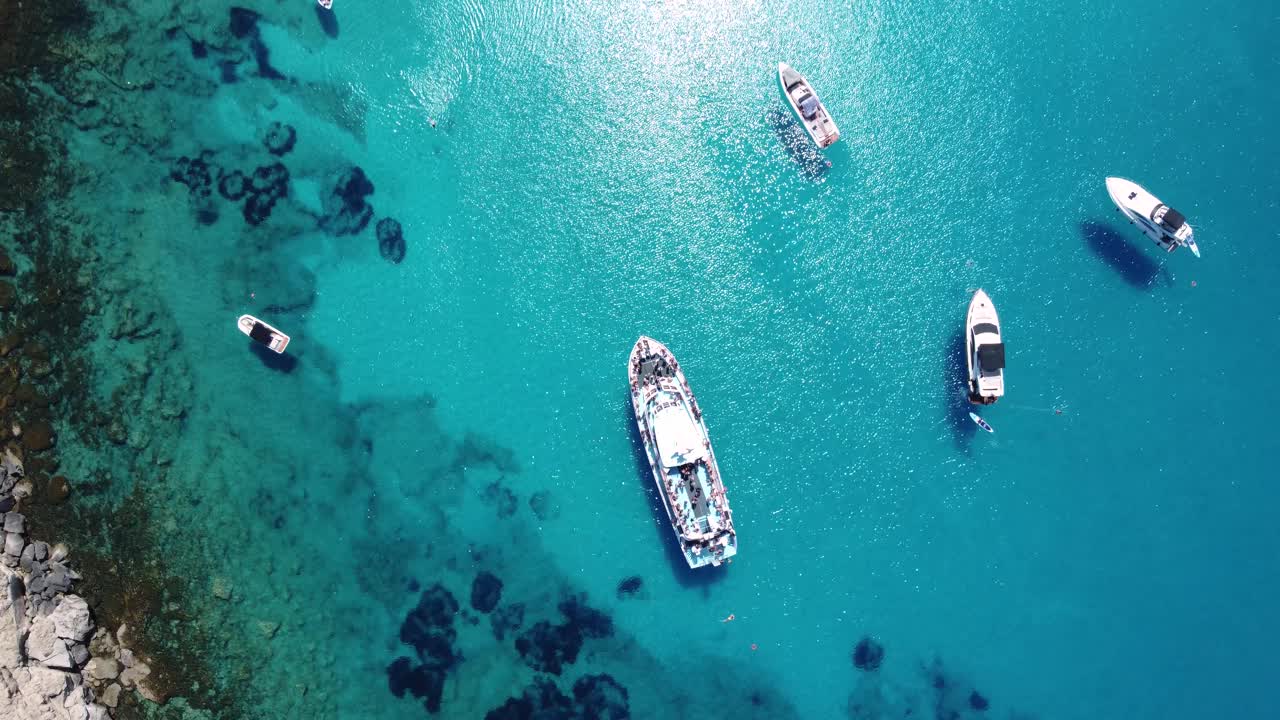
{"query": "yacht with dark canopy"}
[(808, 108), (1166, 226), (680, 456), (984, 351)]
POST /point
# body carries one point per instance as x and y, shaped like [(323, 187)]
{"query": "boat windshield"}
[(809, 107), (679, 437)]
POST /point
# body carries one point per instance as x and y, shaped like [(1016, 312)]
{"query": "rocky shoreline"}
[(52, 664)]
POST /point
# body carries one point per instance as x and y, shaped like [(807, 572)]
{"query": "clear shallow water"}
[(602, 170)]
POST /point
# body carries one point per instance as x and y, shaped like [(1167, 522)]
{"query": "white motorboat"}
[(326, 4), (808, 108), (680, 457), (263, 333), (984, 350), (1166, 226)]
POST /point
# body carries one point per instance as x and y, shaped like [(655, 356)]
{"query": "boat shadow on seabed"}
[(703, 577), (1131, 261), (813, 164), (957, 400)]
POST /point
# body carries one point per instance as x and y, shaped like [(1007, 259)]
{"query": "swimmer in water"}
[(728, 619)]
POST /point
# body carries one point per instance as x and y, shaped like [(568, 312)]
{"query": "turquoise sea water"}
[(597, 171)]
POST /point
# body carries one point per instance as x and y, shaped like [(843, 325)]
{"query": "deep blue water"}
[(571, 175)]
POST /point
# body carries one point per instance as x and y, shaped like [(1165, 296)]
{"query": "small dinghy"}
[(263, 333), (981, 423), (326, 4)]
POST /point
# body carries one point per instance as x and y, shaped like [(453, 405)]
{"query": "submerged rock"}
[(280, 138), (244, 22), (501, 497), (271, 180), (486, 591), (601, 698), (345, 209), (630, 586), (868, 654), (233, 185), (542, 700), (8, 295), (586, 620), (428, 628), (507, 619), (544, 506), (390, 240), (548, 648), (194, 173), (977, 701)]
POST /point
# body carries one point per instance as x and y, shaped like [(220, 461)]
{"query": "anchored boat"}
[(1166, 226), (808, 108), (263, 333), (984, 350), (680, 457)]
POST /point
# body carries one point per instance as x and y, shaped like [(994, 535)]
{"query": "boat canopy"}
[(991, 357), (680, 439), (980, 328), (1172, 220), (809, 107), (262, 334)]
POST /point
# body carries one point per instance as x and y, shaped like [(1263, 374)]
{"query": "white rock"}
[(102, 669), (60, 659), (42, 640), (9, 657), (111, 696), (45, 682), (134, 675), (59, 553), (98, 712), (71, 618)]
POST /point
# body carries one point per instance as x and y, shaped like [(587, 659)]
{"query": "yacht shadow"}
[(812, 163), (272, 360), (1132, 262), (664, 536), (956, 398), (328, 21)]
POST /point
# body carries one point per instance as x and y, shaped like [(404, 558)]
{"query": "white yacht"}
[(984, 350), (808, 108), (1160, 222), (680, 457), (263, 333)]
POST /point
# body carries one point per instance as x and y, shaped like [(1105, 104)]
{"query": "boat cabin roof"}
[(980, 328), (991, 357), (680, 440)]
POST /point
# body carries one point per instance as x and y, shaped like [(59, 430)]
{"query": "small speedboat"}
[(984, 350), (1166, 226), (326, 4), (263, 333), (808, 108), (680, 457)]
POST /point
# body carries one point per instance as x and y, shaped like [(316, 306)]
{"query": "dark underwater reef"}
[(547, 647)]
